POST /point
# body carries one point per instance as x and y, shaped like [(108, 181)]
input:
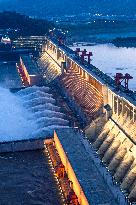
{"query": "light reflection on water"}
[(112, 60)]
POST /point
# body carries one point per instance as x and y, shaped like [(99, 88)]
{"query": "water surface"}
[(26, 179), (112, 60)]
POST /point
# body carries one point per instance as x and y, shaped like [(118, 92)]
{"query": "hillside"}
[(24, 24)]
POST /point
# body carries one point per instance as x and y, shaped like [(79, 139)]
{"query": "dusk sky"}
[(57, 7)]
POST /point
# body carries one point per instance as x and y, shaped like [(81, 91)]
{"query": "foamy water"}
[(13, 118), (112, 60), (30, 113)]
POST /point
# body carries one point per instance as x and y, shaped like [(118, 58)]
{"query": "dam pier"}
[(85, 126)]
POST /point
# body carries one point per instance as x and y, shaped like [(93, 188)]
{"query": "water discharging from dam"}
[(30, 113)]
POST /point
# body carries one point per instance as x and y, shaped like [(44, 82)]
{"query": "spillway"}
[(49, 113), (91, 102), (39, 106), (118, 153), (25, 177), (27, 116), (106, 115)]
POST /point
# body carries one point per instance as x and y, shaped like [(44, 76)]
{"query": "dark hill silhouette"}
[(23, 24)]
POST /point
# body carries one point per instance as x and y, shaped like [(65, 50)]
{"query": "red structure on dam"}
[(97, 164)]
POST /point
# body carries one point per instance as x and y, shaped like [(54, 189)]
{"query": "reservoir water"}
[(112, 60)]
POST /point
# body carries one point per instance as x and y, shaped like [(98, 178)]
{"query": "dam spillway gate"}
[(106, 116)]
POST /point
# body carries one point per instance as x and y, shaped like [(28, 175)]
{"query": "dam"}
[(74, 110)]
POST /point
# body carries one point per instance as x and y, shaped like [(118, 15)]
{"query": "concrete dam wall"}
[(116, 150), (105, 115), (87, 85), (110, 115)]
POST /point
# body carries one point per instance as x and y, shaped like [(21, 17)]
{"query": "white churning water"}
[(30, 113)]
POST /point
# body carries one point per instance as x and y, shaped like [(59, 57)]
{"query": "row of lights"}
[(113, 180), (54, 173)]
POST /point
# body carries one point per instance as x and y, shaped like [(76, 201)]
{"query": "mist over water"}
[(13, 117), (30, 113)]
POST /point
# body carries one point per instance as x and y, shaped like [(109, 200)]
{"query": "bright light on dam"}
[(30, 113)]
